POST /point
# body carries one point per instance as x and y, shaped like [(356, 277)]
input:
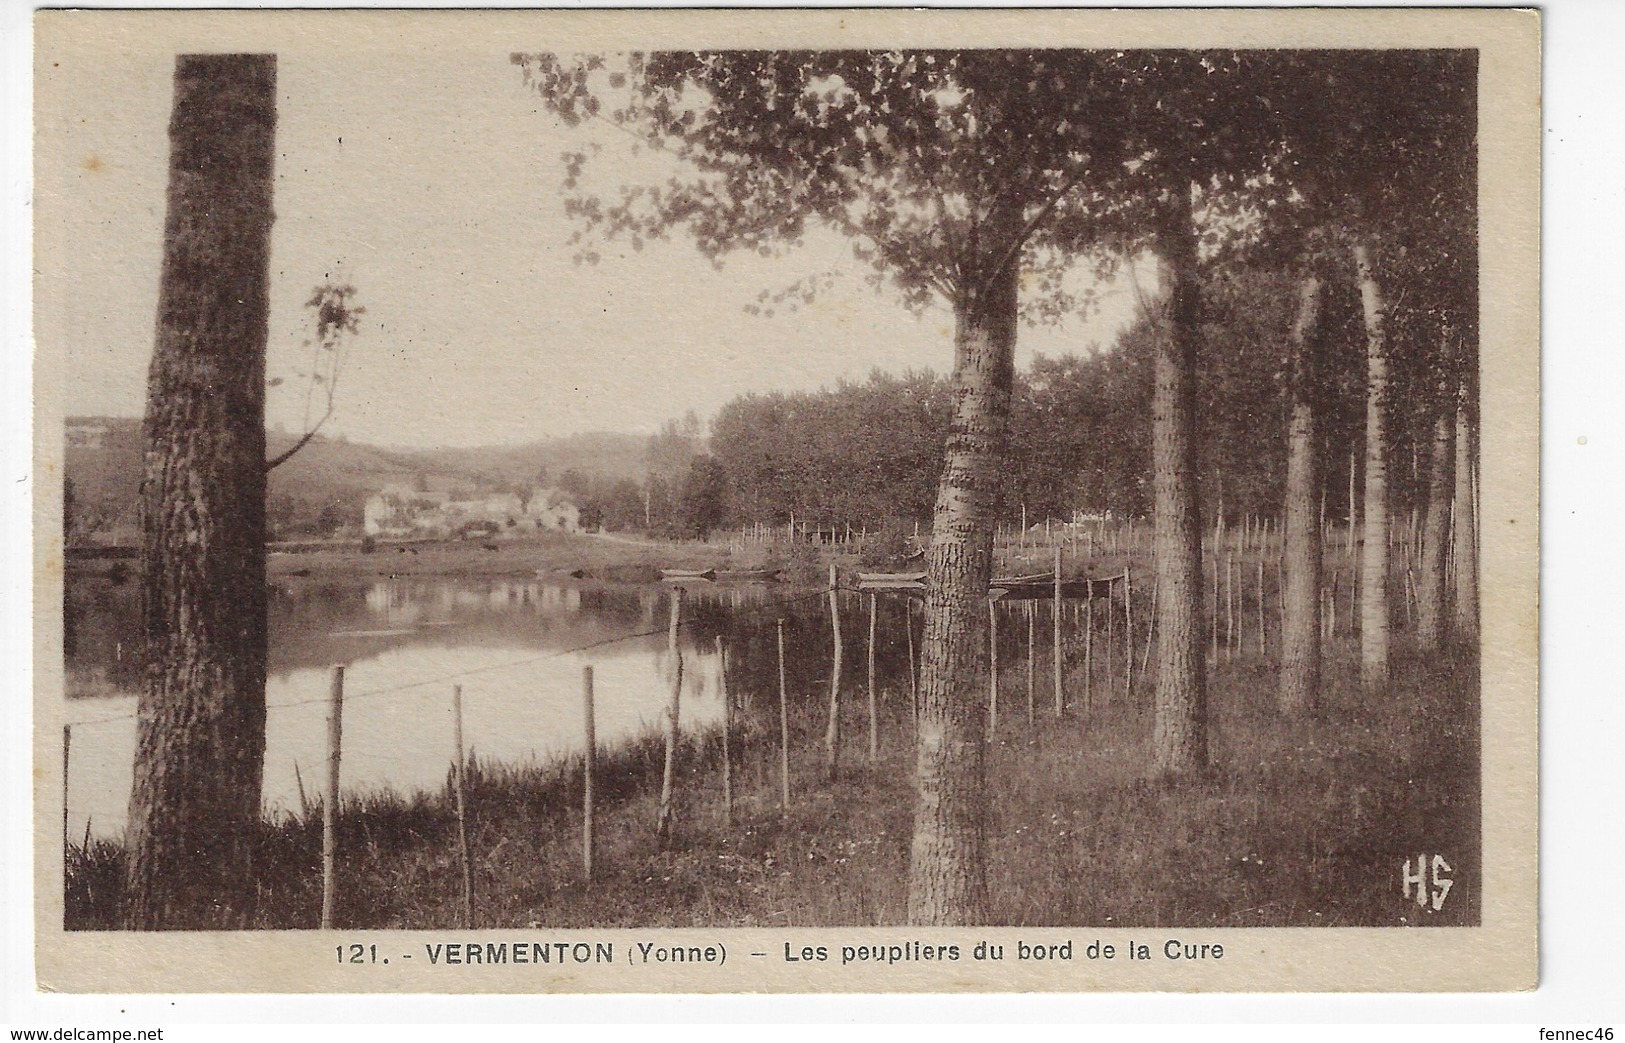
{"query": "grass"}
[(1297, 823)]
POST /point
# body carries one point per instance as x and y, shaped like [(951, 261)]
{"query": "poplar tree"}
[(952, 173)]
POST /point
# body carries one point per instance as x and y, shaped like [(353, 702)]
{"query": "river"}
[(516, 647)]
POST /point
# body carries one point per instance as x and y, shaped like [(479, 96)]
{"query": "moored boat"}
[(891, 581), (705, 574), (748, 574)]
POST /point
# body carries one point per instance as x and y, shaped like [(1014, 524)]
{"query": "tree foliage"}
[(337, 319)]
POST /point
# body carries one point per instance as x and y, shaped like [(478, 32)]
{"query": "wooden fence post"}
[(1213, 604), (784, 729), (1060, 696), (67, 745), (1150, 630), (1280, 591), (589, 766), (462, 806), (727, 732), (1032, 634), (330, 806), (992, 668), (1128, 629), (1230, 635), (1089, 645), (832, 736), (913, 677), (874, 710), (1111, 647), (667, 777), (1263, 646)]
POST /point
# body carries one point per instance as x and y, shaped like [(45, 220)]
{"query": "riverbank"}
[(601, 557), (597, 557), (1299, 823)]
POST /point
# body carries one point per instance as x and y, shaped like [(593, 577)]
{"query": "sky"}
[(430, 180)]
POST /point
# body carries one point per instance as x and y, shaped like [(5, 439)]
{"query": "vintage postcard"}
[(786, 501)]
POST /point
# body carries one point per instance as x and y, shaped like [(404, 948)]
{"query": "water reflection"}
[(516, 646), (510, 644)]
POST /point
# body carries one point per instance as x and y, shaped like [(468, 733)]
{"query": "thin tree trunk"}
[(1374, 616), (947, 865), (200, 732), (1180, 726), (1465, 544), (1301, 555), (1430, 605)]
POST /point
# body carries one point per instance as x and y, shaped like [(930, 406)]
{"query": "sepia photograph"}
[(775, 503)]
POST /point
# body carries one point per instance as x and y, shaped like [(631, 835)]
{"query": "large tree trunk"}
[(1465, 542), (1430, 601), (201, 718), (1180, 727), (1374, 621), (947, 866), (1301, 551)]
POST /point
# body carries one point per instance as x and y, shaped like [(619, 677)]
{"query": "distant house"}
[(399, 511)]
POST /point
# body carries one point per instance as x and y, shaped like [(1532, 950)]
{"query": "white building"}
[(400, 511)]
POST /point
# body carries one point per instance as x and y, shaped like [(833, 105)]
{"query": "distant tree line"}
[(869, 453)]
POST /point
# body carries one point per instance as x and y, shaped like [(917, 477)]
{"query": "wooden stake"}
[(1150, 629), (992, 668), (832, 735), (1354, 565), (1229, 610), (784, 729), (1060, 696), (67, 745), (1111, 647), (727, 732), (1261, 649), (1354, 608), (1280, 590), (1088, 647), (330, 806), (913, 678), (1128, 629), (668, 776), (1213, 604), (462, 807), (874, 708), (589, 767), (1032, 691)]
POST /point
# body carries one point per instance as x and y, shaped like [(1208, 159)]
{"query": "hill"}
[(598, 454), (323, 486)]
